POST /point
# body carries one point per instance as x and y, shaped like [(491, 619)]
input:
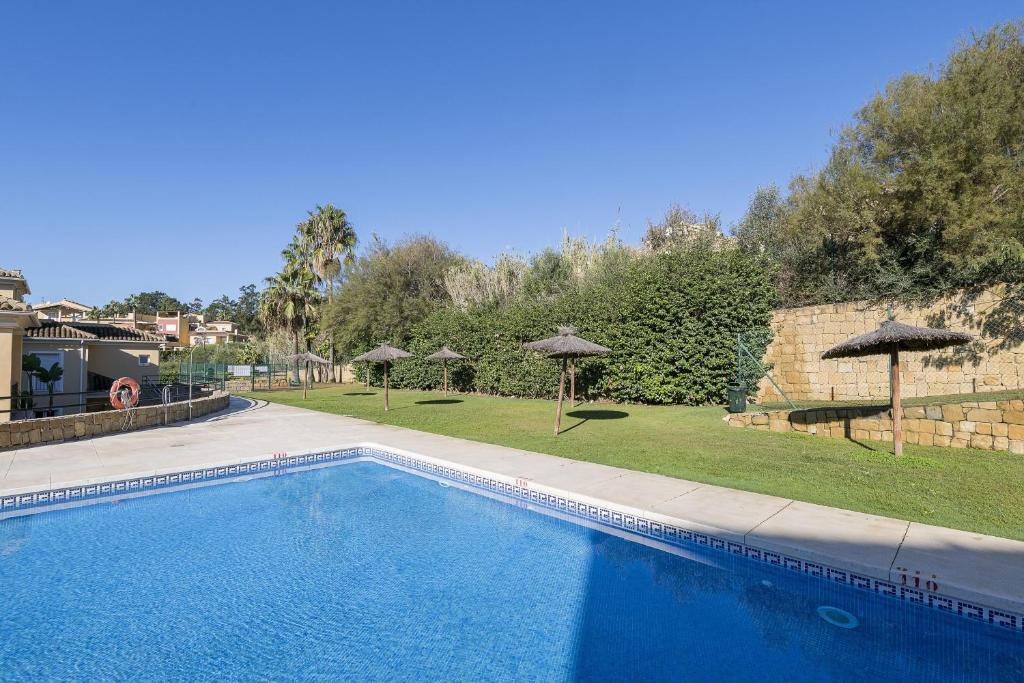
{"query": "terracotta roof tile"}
[(54, 329), (9, 304)]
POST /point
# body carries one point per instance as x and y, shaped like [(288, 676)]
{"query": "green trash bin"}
[(737, 398)]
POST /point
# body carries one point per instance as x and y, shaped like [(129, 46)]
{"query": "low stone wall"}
[(83, 425), (990, 425)]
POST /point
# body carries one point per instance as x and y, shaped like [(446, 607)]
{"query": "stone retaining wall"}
[(995, 362), (990, 425), (83, 425)]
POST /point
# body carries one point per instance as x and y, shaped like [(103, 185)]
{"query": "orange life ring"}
[(115, 393)]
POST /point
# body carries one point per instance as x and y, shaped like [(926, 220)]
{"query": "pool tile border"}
[(521, 490)]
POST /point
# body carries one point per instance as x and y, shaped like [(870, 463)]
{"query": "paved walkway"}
[(979, 568)]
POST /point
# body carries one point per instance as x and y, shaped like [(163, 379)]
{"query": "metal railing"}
[(152, 391)]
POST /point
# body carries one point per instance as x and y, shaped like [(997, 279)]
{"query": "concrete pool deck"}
[(970, 566)]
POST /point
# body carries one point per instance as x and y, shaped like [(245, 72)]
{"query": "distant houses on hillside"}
[(81, 354), (177, 328)]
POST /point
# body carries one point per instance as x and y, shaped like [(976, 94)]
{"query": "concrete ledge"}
[(866, 544), (976, 567)]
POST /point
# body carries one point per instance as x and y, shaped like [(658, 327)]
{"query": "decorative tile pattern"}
[(522, 494)]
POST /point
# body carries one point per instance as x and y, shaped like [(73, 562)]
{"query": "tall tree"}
[(149, 303), (290, 303), (330, 241), (387, 290), (246, 312), (221, 308), (924, 191)]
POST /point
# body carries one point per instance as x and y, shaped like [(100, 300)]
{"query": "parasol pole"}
[(444, 364), (561, 393), (386, 385), (895, 403), (572, 383)]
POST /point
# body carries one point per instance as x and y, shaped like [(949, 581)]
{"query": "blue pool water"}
[(365, 572)]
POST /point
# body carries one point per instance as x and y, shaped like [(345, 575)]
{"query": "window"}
[(46, 360), (143, 359)]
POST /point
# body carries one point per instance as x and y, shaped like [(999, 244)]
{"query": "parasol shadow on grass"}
[(445, 355), (588, 415), (382, 354), (567, 346), (891, 338)]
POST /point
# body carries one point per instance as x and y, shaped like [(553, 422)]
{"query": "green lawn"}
[(962, 488)]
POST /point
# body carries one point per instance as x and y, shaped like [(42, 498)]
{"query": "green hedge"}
[(671, 320)]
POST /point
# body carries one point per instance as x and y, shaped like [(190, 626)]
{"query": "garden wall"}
[(990, 425), (83, 425), (995, 362)]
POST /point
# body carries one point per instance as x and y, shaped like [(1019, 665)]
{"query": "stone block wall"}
[(84, 425), (803, 334), (989, 425)]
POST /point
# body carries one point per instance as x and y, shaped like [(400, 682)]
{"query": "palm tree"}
[(49, 376), (328, 240), (290, 302)]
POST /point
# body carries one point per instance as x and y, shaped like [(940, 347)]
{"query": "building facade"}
[(218, 332), (91, 355), (64, 310)]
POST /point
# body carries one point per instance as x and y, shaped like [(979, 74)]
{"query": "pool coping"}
[(894, 582)]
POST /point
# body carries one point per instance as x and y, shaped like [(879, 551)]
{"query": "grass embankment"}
[(962, 488)]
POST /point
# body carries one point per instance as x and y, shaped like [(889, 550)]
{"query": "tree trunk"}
[(896, 404), (331, 376), (386, 407), (561, 393)]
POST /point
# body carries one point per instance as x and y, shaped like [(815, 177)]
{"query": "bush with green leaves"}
[(671, 319)]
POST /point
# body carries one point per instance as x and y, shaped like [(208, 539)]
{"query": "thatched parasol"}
[(306, 357), (567, 346), (384, 354), (445, 355), (891, 337)]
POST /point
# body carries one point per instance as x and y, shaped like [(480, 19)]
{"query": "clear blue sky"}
[(185, 139)]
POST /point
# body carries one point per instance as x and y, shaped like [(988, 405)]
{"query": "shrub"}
[(671, 319)]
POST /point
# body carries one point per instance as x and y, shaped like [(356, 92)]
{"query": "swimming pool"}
[(367, 571)]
